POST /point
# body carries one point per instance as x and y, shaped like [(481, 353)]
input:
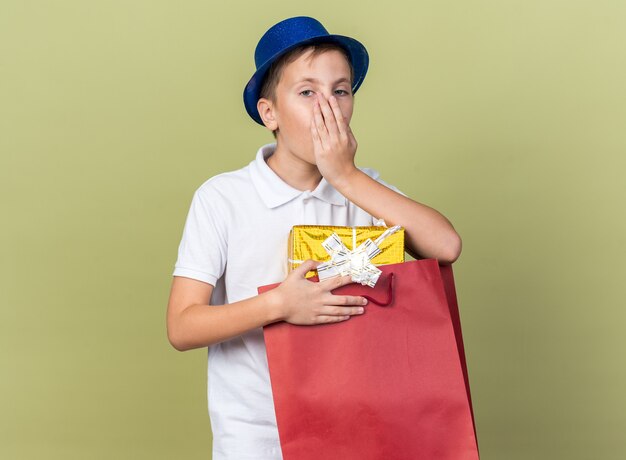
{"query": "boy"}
[(235, 235)]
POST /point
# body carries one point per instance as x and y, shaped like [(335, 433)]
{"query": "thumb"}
[(305, 267)]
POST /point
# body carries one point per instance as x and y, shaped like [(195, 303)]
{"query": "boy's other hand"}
[(334, 144), (305, 302)]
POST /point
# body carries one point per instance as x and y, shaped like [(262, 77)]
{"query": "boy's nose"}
[(323, 95)]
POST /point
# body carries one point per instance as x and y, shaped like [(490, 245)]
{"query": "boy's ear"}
[(266, 112)]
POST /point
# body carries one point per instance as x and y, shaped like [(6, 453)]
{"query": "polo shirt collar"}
[(275, 192)]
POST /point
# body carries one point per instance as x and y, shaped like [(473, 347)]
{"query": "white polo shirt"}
[(235, 238)]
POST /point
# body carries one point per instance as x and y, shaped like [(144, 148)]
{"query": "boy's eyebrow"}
[(315, 80)]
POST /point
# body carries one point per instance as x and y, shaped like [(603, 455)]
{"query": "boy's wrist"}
[(342, 184), (274, 305)]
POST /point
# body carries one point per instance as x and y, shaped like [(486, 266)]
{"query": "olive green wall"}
[(507, 116)]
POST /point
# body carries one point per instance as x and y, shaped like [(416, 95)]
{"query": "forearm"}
[(428, 233), (199, 326)]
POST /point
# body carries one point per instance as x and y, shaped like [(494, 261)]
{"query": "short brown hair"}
[(274, 73)]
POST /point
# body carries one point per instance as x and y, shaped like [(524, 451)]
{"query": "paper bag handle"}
[(389, 299)]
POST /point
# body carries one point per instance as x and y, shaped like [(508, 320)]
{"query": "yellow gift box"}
[(305, 242)]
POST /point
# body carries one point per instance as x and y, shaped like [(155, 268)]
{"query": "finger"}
[(345, 300), (342, 123), (319, 123), (337, 310), (337, 281), (305, 267), (329, 118), (317, 142), (331, 319)]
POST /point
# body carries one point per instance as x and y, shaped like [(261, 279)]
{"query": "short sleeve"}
[(203, 248)]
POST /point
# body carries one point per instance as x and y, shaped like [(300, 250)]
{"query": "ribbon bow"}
[(355, 262)]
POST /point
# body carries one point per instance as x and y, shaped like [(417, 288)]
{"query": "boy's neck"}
[(296, 172)]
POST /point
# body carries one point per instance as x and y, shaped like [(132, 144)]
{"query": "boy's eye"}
[(308, 91)]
